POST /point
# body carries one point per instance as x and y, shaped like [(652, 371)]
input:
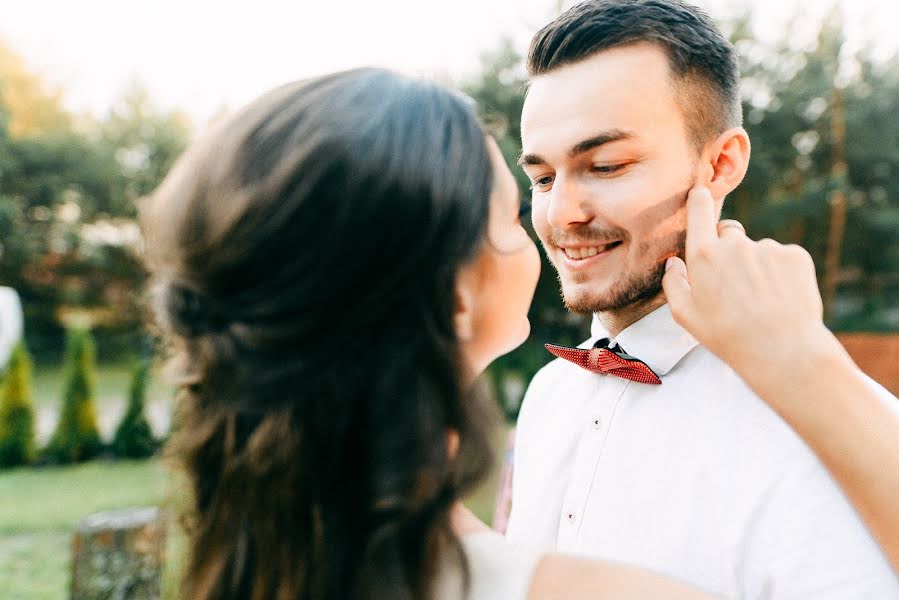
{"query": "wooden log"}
[(118, 555)]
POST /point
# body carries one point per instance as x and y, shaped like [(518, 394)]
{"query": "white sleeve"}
[(11, 323)]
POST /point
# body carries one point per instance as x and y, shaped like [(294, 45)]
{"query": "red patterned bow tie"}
[(607, 361)]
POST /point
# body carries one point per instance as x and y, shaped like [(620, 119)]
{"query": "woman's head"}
[(307, 258), (495, 290)]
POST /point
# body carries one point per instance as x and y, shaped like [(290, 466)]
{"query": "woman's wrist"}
[(801, 360)]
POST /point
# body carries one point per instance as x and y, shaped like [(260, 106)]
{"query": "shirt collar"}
[(655, 339)]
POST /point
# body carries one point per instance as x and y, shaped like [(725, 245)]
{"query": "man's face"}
[(606, 149)]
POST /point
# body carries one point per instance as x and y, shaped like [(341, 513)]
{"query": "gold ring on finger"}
[(730, 224)]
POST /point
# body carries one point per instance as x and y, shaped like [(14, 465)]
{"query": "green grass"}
[(52, 498), (40, 508)]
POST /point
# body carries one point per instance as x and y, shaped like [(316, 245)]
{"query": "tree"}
[(822, 120), (144, 141), (34, 109), (17, 411), (77, 437), (134, 438), (68, 193)]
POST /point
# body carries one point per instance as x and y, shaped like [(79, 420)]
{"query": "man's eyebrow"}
[(530, 159), (606, 137)]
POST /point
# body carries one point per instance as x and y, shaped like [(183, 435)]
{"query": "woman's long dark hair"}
[(304, 256)]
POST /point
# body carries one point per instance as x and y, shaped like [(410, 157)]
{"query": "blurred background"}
[(98, 98)]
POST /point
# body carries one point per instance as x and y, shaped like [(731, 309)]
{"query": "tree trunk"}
[(119, 555)]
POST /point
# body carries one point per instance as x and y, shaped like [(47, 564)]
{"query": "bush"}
[(17, 411), (77, 437), (133, 438)]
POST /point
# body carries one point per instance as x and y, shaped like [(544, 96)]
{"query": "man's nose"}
[(569, 206)]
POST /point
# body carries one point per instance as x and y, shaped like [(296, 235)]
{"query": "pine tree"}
[(17, 411), (77, 437), (133, 438)]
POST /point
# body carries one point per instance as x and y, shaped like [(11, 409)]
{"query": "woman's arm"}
[(559, 577), (756, 305)]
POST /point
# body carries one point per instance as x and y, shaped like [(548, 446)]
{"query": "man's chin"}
[(585, 301), (588, 300)]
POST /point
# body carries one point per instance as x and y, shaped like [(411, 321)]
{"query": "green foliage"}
[(795, 100), (144, 142), (17, 411), (40, 507), (134, 438), (68, 194), (76, 437)]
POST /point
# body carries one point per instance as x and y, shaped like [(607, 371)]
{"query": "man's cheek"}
[(540, 225), (670, 210)]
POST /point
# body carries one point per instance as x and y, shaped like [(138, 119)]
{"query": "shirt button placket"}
[(588, 454)]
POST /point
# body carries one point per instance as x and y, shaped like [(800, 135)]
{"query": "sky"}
[(203, 56)]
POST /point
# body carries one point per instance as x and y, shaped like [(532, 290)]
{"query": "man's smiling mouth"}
[(582, 252)]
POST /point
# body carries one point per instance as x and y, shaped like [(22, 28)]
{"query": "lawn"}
[(40, 507)]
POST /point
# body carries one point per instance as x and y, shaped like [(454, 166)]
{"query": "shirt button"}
[(570, 517), (596, 422)]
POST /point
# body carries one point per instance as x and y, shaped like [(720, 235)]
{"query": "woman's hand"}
[(754, 304)]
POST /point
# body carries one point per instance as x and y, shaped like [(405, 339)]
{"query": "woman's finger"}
[(701, 220)]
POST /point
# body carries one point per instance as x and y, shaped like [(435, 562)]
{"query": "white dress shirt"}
[(696, 478)]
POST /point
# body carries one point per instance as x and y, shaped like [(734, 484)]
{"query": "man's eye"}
[(607, 169), (541, 182)]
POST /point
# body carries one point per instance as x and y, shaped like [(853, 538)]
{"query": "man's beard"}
[(635, 288)]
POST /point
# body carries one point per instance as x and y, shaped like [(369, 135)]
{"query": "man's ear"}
[(725, 162), (463, 314)]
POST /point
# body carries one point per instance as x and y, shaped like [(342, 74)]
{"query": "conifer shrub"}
[(134, 438), (77, 437), (17, 444)]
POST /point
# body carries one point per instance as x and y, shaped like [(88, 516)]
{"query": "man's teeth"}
[(581, 253)]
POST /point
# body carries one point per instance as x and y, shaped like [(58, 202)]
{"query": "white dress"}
[(499, 570)]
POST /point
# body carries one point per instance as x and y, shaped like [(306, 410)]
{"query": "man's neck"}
[(616, 321)]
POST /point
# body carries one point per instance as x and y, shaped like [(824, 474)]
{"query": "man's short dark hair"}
[(703, 63)]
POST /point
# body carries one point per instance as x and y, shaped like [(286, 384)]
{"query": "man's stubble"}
[(644, 286)]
